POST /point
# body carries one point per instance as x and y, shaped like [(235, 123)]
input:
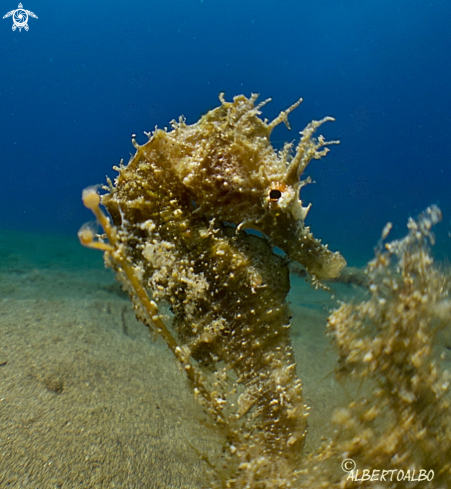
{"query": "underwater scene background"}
[(87, 76), (82, 403)]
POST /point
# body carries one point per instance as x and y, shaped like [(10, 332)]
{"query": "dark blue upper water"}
[(87, 75)]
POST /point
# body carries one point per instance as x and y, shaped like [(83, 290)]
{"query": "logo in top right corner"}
[(20, 18)]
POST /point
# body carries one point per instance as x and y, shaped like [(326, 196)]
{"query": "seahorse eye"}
[(275, 195)]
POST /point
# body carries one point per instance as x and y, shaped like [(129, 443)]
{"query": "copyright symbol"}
[(348, 465)]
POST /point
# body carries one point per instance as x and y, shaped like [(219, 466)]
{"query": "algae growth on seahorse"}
[(180, 210)]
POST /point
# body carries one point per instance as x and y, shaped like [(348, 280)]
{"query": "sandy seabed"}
[(88, 399)]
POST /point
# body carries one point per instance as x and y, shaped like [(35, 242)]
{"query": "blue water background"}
[(88, 75)]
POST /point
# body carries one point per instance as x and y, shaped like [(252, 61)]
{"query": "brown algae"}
[(177, 236)]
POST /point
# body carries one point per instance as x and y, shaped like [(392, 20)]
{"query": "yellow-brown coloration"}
[(398, 428), (180, 210), (225, 168), (390, 341)]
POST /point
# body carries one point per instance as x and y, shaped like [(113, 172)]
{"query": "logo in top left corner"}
[(20, 17)]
